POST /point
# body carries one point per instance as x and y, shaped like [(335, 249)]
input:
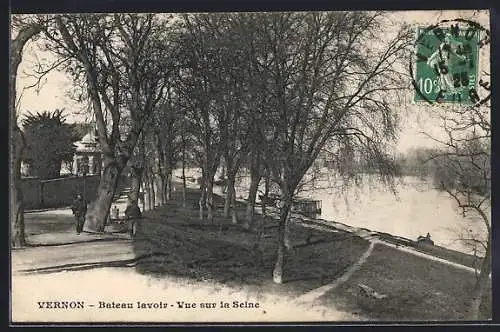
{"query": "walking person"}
[(133, 215), (79, 208)]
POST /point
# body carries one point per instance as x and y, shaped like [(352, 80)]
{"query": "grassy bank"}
[(178, 244), (416, 288), (433, 250), (173, 242)]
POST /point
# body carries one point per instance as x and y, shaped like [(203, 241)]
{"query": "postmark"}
[(446, 63)]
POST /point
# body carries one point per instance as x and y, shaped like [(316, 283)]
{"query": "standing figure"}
[(450, 61), (133, 215), (79, 208)]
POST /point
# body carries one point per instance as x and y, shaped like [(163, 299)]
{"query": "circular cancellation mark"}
[(445, 68)]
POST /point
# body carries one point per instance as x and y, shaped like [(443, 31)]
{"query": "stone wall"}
[(40, 194), (32, 192), (61, 192), (54, 193)]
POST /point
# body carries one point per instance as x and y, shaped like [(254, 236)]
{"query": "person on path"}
[(133, 215), (79, 208)]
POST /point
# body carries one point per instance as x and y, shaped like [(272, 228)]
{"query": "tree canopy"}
[(49, 142)]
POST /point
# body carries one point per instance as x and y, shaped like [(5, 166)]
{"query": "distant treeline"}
[(467, 168), (417, 162)]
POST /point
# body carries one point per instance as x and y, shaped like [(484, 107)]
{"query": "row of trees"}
[(271, 92), (268, 91), (265, 91)]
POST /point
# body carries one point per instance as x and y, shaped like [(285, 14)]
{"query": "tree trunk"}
[(210, 198), (278, 267), (148, 189), (234, 213), (151, 180), (143, 197), (169, 185), (135, 185), (145, 186), (161, 168), (183, 166), (16, 142), (18, 238), (203, 194), (287, 242), (267, 186), (252, 194), (99, 209), (162, 188), (167, 188), (183, 183), (227, 198), (160, 195), (481, 284)]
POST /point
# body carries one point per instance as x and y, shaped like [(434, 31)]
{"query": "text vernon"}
[(61, 304)]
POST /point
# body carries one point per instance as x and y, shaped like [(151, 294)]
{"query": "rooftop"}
[(88, 143)]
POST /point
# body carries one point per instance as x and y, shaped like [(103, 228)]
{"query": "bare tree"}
[(257, 97), (168, 133), (464, 165), (331, 81), (26, 30), (122, 61), (200, 81), (232, 117)]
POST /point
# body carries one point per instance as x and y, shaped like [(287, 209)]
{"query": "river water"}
[(416, 209)]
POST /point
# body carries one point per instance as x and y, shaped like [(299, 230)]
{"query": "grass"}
[(451, 255), (416, 289), (227, 253), (437, 251), (173, 242)]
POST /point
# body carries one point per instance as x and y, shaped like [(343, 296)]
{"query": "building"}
[(88, 153)]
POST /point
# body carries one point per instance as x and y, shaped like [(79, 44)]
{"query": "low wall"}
[(40, 194), (61, 192), (32, 192)]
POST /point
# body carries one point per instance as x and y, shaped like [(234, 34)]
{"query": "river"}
[(416, 209)]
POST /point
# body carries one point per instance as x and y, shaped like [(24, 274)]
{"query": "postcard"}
[(250, 167)]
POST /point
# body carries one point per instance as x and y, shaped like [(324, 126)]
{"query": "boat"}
[(307, 207)]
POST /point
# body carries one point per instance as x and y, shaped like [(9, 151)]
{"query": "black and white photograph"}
[(250, 166)]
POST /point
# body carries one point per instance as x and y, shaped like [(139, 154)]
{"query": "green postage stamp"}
[(447, 59)]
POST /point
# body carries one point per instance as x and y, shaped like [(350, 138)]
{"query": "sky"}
[(416, 118)]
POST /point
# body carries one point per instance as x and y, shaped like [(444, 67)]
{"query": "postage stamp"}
[(447, 62)]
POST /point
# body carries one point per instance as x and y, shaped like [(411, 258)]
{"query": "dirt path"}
[(65, 255), (61, 265), (372, 236), (311, 296), (314, 294), (89, 251)]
